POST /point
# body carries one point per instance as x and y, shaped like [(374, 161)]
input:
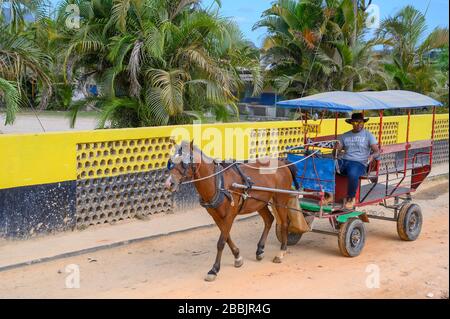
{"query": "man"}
[(360, 148)]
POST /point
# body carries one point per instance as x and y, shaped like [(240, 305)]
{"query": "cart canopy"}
[(343, 101)]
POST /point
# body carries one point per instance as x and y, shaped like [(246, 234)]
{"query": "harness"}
[(220, 193)]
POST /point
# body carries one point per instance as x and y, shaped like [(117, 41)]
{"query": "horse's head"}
[(181, 165)]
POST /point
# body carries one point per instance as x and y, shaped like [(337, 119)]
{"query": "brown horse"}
[(213, 182)]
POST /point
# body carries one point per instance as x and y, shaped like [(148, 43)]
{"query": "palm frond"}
[(10, 94), (171, 85), (119, 13), (133, 69)]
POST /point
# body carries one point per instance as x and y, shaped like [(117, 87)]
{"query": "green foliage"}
[(313, 46), (410, 62), (154, 61), (9, 93), (159, 61), (310, 48)]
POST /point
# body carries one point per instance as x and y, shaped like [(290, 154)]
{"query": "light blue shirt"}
[(357, 145)]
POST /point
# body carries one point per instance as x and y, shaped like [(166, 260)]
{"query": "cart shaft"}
[(275, 190)]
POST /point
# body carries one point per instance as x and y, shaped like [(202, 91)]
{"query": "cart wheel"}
[(292, 238), (409, 222), (352, 237)]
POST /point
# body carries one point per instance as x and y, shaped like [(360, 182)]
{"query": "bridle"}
[(186, 165)]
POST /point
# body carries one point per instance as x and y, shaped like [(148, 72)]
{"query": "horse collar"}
[(220, 192)]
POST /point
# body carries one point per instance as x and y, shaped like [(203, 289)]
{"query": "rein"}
[(246, 165), (206, 177), (282, 166), (191, 164)]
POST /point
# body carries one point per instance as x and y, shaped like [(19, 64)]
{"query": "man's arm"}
[(337, 148), (375, 152)]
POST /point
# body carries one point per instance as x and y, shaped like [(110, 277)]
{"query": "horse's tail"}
[(293, 170)]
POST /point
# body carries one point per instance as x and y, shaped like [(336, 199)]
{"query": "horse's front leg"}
[(283, 214), (238, 260), (212, 274), (225, 227), (268, 220)]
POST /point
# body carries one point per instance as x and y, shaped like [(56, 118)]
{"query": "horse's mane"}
[(195, 148)]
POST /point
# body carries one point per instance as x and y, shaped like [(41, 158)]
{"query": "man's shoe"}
[(328, 198), (349, 204)]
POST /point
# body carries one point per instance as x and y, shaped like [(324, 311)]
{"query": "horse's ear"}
[(192, 144)]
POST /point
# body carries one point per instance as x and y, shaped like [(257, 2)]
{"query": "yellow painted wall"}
[(31, 159)]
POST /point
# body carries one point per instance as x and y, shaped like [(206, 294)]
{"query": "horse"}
[(213, 182)]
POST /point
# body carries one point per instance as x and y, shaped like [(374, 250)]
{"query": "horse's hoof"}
[(238, 262), (210, 277), (277, 260), (260, 256)]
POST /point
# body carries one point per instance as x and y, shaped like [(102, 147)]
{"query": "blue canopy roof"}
[(343, 101)]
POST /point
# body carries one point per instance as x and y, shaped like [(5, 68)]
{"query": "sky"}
[(247, 12)]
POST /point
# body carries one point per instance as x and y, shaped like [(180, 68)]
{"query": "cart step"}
[(345, 217), (313, 207)]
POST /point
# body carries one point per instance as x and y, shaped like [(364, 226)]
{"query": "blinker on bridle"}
[(185, 164)]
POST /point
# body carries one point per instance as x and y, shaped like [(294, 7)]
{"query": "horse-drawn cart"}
[(387, 185), (230, 189)]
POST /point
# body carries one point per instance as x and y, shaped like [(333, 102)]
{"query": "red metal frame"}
[(432, 135), (376, 201), (407, 141), (380, 132), (305, 134), (401, 146), (336, 126)]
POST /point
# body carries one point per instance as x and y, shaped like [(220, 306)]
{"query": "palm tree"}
[(24, 67), (313, 46), (412, 66), (22, 62), (158, 61)]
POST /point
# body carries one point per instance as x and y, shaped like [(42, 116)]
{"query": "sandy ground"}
[(174, 266)]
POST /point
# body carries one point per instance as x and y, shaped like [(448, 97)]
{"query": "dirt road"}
[(174, 266)]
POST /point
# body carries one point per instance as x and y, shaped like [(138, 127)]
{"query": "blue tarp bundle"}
[(343, 101), (314, 173)]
